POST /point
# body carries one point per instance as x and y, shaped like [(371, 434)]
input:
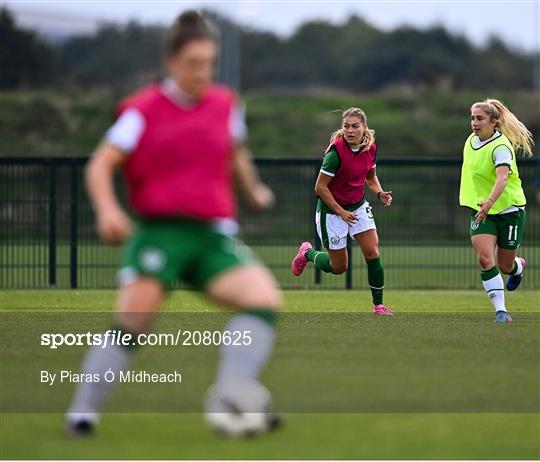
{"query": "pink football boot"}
[(381, 310), (300, 261)]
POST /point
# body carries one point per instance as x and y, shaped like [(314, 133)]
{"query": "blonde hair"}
[(368, 137), (508, 124)]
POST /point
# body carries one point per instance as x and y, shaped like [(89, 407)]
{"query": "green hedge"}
[(407, 123)]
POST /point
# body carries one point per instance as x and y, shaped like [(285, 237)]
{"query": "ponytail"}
[(508, 124)]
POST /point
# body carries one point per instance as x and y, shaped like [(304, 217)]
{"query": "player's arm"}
[(113, 224), (501, 181), (374, 186), (502, 161), (324, 193), (257, 194)]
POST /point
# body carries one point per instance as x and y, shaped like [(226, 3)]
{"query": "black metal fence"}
[(47, 236)]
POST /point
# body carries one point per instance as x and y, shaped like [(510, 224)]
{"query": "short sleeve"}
[(330, 163), (237, 124), (502, 155), (127, 131)]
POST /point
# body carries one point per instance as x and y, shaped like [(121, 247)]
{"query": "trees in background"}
[(353, 56), (357, 56), (115, 56), (25, 60)]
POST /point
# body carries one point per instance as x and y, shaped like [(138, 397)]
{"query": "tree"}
[(116, 55), (25, 60)]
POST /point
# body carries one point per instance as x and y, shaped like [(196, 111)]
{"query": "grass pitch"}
[(433, 267), (434, 337)]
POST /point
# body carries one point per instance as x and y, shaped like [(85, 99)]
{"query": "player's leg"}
[(511, 227), (339, 260), (484, 245), (149, 266), (507, 261), (136, 307), (369, 244), (230, 275), (329, 260), (253, 291), (484, 236), (332, 231), (364, 232), (511, 264)]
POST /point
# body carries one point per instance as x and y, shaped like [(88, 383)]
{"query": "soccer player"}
[(342, 210), (491, 187), (180, 143)]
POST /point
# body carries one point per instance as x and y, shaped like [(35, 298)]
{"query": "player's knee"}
[(506, 267), (486, 261), (266, 294), (272, 293), (339, 268), (271, 300), (371, 254)]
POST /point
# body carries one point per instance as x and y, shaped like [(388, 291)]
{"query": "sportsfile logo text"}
[(114, 337), (110, 337)]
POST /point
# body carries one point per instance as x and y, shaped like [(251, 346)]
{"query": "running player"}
[(491, 187), (180, 143), (342, 210)]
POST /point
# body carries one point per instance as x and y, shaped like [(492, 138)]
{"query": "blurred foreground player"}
[(180, 145)]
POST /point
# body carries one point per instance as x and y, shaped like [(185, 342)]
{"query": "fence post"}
[(317, 270), (316, 239), (349, 275), (52, 223), (73, 216)]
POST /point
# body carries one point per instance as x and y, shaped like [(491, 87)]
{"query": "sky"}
[(516, 22)]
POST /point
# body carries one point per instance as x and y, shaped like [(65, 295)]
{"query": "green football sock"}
[(488, 274), (268, 315), (494, 285), (376, 279), (320, 259)]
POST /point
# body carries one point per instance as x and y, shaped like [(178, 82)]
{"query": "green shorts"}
[(181, 250), (508, 227)]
